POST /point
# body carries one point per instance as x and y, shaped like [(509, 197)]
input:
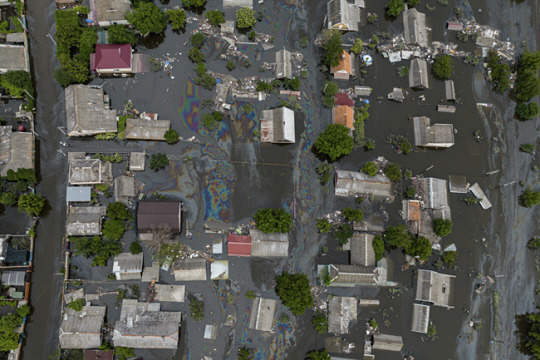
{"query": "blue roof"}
[(78, 193)]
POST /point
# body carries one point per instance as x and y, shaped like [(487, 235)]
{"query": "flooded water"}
[(227, 176)]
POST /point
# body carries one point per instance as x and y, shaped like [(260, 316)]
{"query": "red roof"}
[(239, 245), (111, 56), (344, 99)]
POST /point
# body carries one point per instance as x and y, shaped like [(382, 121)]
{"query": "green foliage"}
[(196, 55), (397, 236), (527, 148), (292, 84), (318, 355), (344, 233), (231, 66), (527, 81), (147, 18), (82, 10), (529, 198), (215, 17), (442, 227), (196, 308), (334, 142), (443, 67), (96, 248), (471, 60), (370, 168), (135, 248), (357, 47), (369, 144), (534, 243), (332, 48), (294, 291), (245, 353), (403, 71), (352, 214), (500, 72), (420, 247), (252, 35), (28, 175), (207, 81), (324, 172), (112, 158), (171, 136), (372, 18), (122, 353), (323, 225), (328, 101), (264, 86), (304, 42), (393, 171), (431, 331), (527, 111), (158, 161), (250, 294), (32, 204), (9, 198), (410, 192), (193, 3), (197, 39), (212, 120), (378, 247), (320, 322), (449, 258), (245, 18), (76, 305), (360, 115), (412, 3), (118, 211), (177, 18), (87, 41), (273, 220), (113, 229), (407, 174), (15, 82), (394, 7), (9, 337)]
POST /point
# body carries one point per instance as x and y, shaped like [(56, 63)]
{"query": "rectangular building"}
[(435, 288), (342, 15), (352, 183), (432, 136)]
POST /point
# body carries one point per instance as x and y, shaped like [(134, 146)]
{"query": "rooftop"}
[(239, 245), (342, 15), (89, 172), (420, 318), (269, 245), (12, 58), (189, 269), (82, 329), (345, 64), (435, 136), (78, 193), (352, 183), (283, 64), (136, 161), (343, 115), (124, 188), (387, 342), (16, 150), (111, 57), (108, 12), (418, 74), (262, 314), (85, 220), (362, 252), (415, 27), (128, 263), (277, 125), (170, 293), (152, 214), (141, 129), (341, 312), (435, 287)]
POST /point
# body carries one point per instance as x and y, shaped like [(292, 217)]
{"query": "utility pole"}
[(50, 37)]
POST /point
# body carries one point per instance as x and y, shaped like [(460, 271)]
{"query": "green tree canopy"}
[(197, 39), (323, 225), (135, 248), (357, 47), (96, 248), (273, 220), (378, 247), (32, 204), (15, 82), (443, 67), (123, 353), (113, 229), (334, 142), (442, 227), (370, 168), (397, 236), (332, 48), (330, 88), (215, 17), (527, 111), (245, 18), (393, 172), (344, 233), (527, 81), (320, 322), (119, 34), (147, 18), (449, 258), (177, 18), (529, 198), (245, 353), (193, 3), (318, 355), (294, 291), (171, 136), (352, 214), (532, 342), (118, 211), (158, 161), (420, 247), (394, 7)]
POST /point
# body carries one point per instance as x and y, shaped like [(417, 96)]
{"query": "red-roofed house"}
[(112, 59), (239, 245), (344, 99)]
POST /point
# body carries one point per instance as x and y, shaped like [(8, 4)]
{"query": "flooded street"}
[(227, 175)]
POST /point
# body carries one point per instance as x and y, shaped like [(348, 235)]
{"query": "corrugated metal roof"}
[(152, 214), (420, 318), (435, 287), (387, 342), (418, 74), (262, 314), (239, 245), (362, 252), (78, 193), (352, 183)]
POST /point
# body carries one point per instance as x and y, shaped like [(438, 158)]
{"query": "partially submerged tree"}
[(352, 214), (119, 34), (147, 18), (394, 7), (443, 67), (294, 291), (442, 227), (331, 47), (370, 168), (177, 18), (420, 247), (32, 204), (527, 111), (245, 353), (215, 17), (158, 161), (323, 225), (171, 136), (378, 247), (397, 236), (393, 172), (245, 18), (529, 198), (273, 220), (320, 322), (318, 355), (334, 142)]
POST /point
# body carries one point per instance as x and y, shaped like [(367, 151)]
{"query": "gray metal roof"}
[(342, 15), (110, 11), (277, 125), (12, 58), (137, 161), (352, 183), (341, 312), (13, 278), (269, 245), (283, 64), (434, 193), (16, 150), (387, 342), (128, 263), (238, 3), (170, 293), (450, 90), (82, 329), (124, 188), (362, 252), (85, 220), (189, 270), (362, 90), (262, 314), (78, 193), (420, 318), (357, 275), (142, 129), (418, 74), (479, 193), (457, 184), (437, 135), (414, 23), (435, 287)]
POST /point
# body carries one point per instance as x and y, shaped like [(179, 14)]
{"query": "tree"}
[(118, 211), (410, 192), (119, 34), (196, 308), (9, 198), (212, 120), (318, 355), (357, 47), (442, 227), (344, 233), (323, 225), (294, 291), (215, 17), (529, 198), (122, 353), (420, 247), (332, 48), (394, 7), (449, 258), (196, 55), (32, 204), (76, 305), (370, 168), (273, 220), (171, 136), (500, 72), (397, 236), (135, 248), (177, 18), (443, 67), (292, 84), (393, 172), (527, 111), (334, 142), (324, 172), (207, 81), (352, 214), (527, 148), (9, 337), (527, 82), (198, 39), (62, 77), (76, 70), (158, 161), (412, 3), (245, 18), (245, 353), (330, 88), (96, 248), (147, 18), (320, 322), (193, 3), (15, 82), (378, 247), (113, 229), (231, 66)]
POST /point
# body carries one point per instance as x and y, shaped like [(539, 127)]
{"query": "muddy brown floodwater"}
[(228, 176)]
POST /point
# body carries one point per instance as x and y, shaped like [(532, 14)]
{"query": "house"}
[(269, 245), (189, 270), (89, 172), (144, 325), (418, 74), (17, 150), (449, 90), (98, 355), (238, 3), (124, 189), (362, 90), (352, 183), (344, 69), (435, 288), (419, 222), (277, 125), (432, 136), (283, 65), (109, 12), (78, 194), (343, 99), (420, 318), (457, 184), (343, 115), (13, 58), (342, 15), (387, 342), (85, 220), (262, 314), (239, 245), (82, 329), (362, 252), (351, 275), (88, 112), (127, 266), (414, 23), (111, 59), (141, 129), (479, 194), (169, 293), (453, 26), (153, 214), (434, 195), (136, 161), (342, 310)]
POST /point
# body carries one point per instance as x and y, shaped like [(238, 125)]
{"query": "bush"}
[(32, 204), (122, 353), (529, 198), (527, 82), (294, 291), (343, 234), (442, 227), (292, 84), (177, 18), (357, 47), (245, 353), (171, 136), (245, 18), (273, 220), (318, 355), (334, 142), (370, 168), (9, 198), (352, 214), (443, 67), (449, 258), (118, 211), (527, 111), (420, 247), (320, 322), (147, 18), (96, 248), (15, 82), (323, 225), (158, 161), (76, 305), (527, 148), (135, 248), (397, 236), (378, 247), (119, 34), (193, 3), (212, 120), (197, 39), (393, 172), (231, 66), (323, 171), (215, 17), (403, 71), (410, 192), (394, 7), (252, 35), (113, 229), (207, 81), (196, 308), (196, 55)]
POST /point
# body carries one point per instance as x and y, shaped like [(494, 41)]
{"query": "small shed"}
[(342, 311), (432, 136), (352, 183), (450, 90), (418, 74), (362, 252), (189, 269), (436, 288), (344, 69), (78, 194), (414, 23), (219, 270), (343, 115), (420, 318), (342, 15), (457, 184), (124, 189), (127, 266), (85, 220), (396, 95), (239, 245), (277, 125), (170, 293), (109, 12), (446, 109), (136, 161), (479, 194), (82, 329), (269, 245), (283, 64), (210, 332), (362, 90), (387, 342), (262, 314), (453, 26), (13, 278)]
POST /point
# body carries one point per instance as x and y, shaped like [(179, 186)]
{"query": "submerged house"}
[(109, 12), (352, 275), (449, 89), (277, 126), (142, 129), (352, 183), (269, 245), (420, 318), (127, 266), (435, 288), (85, 220), (343, 115), (434, 195), (82, 329), (13, 58), (155, 215), (414, 23), (17, 150), (262, 314), (362, 252), (342, 15), (387, 342), (432, 136), (418, 74), (342, 311), (83, 171), (88, 112), (111, 59), (124, 189), (144, 325), (344, 69), (190, 270), (283, 65)]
